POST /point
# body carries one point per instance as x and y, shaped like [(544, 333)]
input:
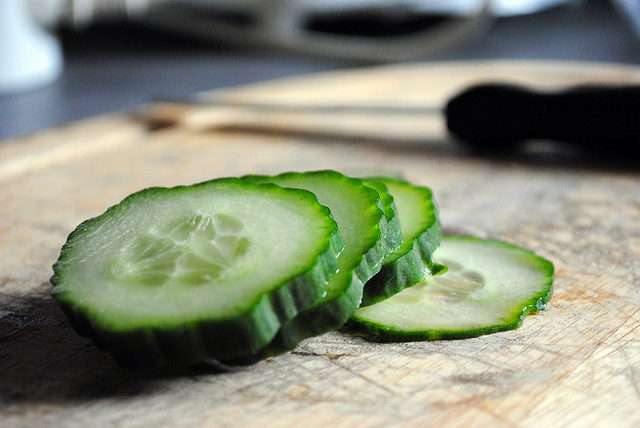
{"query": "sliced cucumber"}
[(238, 270), (356, 209), (490, 286), (185, 274), (421, 234)]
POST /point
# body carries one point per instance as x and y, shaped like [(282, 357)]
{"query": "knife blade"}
[(494, 117)]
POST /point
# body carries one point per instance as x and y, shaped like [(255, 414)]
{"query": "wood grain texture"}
[(575, 364)]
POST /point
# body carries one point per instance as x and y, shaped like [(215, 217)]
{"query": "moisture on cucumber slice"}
[(421, 234), (186, 274), (356, 209), (490, 286)]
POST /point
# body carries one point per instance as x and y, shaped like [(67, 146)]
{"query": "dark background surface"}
[(120, 66)]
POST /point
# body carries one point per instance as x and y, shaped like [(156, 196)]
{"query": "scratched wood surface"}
[(575, 364)]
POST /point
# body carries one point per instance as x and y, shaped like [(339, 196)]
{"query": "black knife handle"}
[(597, 118)]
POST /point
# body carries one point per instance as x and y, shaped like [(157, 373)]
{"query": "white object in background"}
[(523, 7), (631, 9), (82, 13), (29, 56)]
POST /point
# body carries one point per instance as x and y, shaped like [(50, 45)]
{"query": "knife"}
[(596, 118), (496, 117)]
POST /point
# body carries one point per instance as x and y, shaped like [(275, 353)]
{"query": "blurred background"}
[(64, 60)]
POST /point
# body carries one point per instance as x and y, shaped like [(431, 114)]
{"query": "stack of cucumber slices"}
[(240, 269)]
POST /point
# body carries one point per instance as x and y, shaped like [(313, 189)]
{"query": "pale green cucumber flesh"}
[(185, 274), (421, 232), (490, 286), (356, 209)]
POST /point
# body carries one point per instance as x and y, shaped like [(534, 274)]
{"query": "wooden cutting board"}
[(575, 364)]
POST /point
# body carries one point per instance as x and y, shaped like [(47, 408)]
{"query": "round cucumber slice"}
[(185, 274), (357, 210), (421, 232), (490, 286)]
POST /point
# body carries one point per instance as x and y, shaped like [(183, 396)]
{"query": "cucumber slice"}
[(356, 209), (421, 232), (490, 286), (186, 274)]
